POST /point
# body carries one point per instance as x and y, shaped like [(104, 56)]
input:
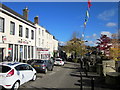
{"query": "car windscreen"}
[(4, 69)]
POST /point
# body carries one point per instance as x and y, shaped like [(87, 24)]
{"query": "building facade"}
[(21, 39), (46, 44)]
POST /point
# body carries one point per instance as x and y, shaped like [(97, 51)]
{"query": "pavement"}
[(94, 81)]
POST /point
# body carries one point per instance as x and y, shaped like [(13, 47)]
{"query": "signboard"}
[(9, 49)]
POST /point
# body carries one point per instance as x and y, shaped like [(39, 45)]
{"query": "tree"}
[(115, 49), (75, 46), (104, 45)]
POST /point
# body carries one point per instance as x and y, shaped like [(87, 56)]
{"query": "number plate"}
[(36, 65)]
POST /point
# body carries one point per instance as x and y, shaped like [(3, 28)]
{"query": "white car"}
[(59, 62), (14, 74)]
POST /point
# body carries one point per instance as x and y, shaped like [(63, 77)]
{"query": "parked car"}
[(59, 61), (43, 65), (14, 74)]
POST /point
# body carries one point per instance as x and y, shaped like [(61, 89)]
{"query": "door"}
[(25, 72)]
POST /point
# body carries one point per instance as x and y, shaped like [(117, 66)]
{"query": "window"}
[(42, 32), (32, 34), (39, 42), (39, 31), (32, 52), (25, 52), (23, 67), (20, 30), (43, 42), (4, 69), (28, 51), (16, 52), (10, 51), (1, 24), (27, 33), (21, 52), (12, 28)]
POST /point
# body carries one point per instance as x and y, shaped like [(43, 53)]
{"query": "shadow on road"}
[(98, 82)]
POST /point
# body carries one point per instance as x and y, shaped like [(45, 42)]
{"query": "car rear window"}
[(39, 61), (58, 60), (4, 69)]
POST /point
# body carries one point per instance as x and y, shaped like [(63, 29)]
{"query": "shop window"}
[(32, 51), (21, 52), (16, 53), (10, 51), (25, 52), (28, 51)]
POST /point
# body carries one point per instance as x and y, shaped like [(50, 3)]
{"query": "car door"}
[(24, 72), (20, 71), (28, 72)]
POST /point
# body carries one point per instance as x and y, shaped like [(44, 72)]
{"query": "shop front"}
[(43, 53)]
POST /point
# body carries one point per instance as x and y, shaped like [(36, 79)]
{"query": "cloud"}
[(94, 36), (111, 24), (106, 15), (106, 33), (91, 43), (62, 43)]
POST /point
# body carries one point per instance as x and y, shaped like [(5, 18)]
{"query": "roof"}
[(11, 63), (15, 13)]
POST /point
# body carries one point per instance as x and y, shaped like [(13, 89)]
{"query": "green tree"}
[(75, 46)]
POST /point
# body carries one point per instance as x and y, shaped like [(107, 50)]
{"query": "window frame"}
[(32, 34), (20, 30), (13, 31), (3, 25), (27, 33)]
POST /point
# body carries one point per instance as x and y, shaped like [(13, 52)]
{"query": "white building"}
[(21, 39), (45, 42)]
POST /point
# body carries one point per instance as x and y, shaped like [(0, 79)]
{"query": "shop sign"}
[(9, 49), (42, 49), (23, 41), (4, 38)]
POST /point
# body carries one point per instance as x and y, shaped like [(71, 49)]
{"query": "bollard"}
[(92, 83), (81, 81)]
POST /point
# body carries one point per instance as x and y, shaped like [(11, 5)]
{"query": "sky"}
[(61, 19)]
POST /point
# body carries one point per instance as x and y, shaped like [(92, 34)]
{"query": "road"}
[(62, 77)]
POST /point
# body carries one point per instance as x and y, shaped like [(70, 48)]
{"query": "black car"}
[(42, 65)]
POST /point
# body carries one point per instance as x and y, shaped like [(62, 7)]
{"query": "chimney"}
[(36, 20), (25, 13)]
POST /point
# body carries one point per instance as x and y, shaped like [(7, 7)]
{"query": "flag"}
[(86, 20), (87, 14), (84, 24), (89, 4)]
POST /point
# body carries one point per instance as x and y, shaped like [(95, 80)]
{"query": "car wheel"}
[(46, 71), (34, 77), (16, 86)]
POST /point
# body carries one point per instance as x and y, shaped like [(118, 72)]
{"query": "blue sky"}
[(61, 19)]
